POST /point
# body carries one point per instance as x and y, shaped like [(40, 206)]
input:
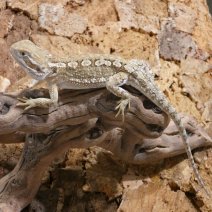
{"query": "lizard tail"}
[(170, 110), (175, 117), (151, 91)]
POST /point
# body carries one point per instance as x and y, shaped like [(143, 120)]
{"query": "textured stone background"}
[(175, 37)]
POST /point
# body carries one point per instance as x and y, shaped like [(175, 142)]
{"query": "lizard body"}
[(95, 71)]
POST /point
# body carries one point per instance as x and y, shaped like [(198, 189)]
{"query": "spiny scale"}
[(92, 72)]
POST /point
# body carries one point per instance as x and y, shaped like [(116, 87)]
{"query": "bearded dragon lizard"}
[(95, 71)]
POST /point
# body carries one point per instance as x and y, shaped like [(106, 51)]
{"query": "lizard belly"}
[(79, 85)]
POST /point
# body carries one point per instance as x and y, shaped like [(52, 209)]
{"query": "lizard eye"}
[(23, 53)]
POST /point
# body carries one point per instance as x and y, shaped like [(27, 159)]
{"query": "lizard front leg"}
[(113, 85), (41, 102)]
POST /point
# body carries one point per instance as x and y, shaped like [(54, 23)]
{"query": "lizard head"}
[(33, 59)]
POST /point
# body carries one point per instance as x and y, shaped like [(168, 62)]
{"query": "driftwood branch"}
[(77, 107), (83, 119)]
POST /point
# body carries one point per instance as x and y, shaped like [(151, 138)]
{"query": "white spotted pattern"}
[(117, 63), (100, 62), (73, 64), (86, 62), (129, 68), (93, 80), (101, 79), (57, 65), (107, 63)]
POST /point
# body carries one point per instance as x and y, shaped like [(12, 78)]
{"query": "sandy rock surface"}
[(175, 38)]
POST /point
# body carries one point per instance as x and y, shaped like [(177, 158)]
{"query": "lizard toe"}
[(121, 107)]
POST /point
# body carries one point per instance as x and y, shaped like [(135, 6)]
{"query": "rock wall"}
[(174, 36)]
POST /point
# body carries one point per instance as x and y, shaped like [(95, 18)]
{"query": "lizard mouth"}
[(33, 69), (30, 65)]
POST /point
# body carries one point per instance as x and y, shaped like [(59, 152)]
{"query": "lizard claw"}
[(121, 107), (27, 103), (22, 99), (30, 103)]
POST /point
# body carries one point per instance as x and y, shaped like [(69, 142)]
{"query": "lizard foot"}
[(30, 103), (121, 107)]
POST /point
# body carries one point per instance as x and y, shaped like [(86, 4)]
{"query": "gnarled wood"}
[(84, 119), (76, 107)]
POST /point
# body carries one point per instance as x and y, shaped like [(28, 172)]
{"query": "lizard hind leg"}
[(113, 85)]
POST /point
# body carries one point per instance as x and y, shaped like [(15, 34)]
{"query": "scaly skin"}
[(95, 71)]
